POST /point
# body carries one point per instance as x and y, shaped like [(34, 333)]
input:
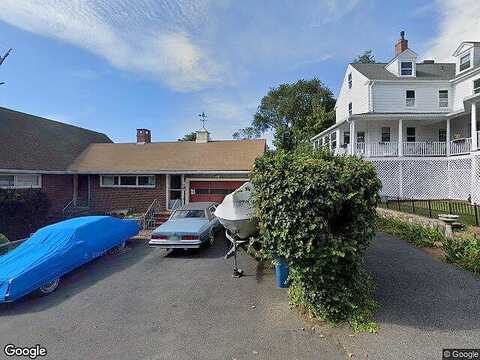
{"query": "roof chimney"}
[(401, 45), (203, 136), (144, 136)]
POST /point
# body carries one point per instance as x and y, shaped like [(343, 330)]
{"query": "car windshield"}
[(182, 214)]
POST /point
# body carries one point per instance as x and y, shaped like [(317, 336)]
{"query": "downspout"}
[(370, 96)]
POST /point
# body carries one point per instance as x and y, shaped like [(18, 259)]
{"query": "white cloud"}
[(459, 22), (156, 37)]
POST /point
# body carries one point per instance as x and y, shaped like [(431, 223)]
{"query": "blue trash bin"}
[(281, 273)]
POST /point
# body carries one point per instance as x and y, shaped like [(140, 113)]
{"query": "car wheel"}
[(117, 249), (49, 287)]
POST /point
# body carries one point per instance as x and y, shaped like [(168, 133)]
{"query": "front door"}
[(83, 191)]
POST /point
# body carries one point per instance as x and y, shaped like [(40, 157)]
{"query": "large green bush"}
[(464, 252), (317, 211), (22, 212)]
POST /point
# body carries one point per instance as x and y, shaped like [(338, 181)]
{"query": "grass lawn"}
[(431, 208)]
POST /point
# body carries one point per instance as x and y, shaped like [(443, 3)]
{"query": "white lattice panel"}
[(388, 173), (460, 175), (432, 178)]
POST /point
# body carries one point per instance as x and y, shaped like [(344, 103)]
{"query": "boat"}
[(237, 214)]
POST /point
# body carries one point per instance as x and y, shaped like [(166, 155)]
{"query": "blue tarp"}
[(57, 249)]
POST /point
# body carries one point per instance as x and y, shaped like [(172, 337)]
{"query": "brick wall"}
[(59, 189), (138, 199)]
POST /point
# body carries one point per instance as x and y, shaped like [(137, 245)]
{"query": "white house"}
[(416, 121)]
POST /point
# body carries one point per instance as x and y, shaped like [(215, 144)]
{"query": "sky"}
[(117, 65)]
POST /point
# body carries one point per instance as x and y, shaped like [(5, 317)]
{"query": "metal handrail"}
[(147, 220), (67, 207)]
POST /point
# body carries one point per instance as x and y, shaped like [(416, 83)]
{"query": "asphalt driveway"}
[(145, 304), (425, 305)]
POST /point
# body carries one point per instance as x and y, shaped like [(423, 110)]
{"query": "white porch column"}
[(448, 137), (400, 137), (337, 136), (352, 137), (473, 122)]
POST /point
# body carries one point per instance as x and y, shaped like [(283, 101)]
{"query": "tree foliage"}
[(366, 58), (317, 211), (294, 112), (192, 136), (22, 212)]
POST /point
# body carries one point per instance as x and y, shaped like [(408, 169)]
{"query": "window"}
[(19, 181), (410, 98), (346, 137), (465, 62), (127, 181), (350, 108), (333, 140), (361, 136), (442, 135), (406, 68), (350, 81), (443, 98), (476, 86), (410, 134), (385, 134)]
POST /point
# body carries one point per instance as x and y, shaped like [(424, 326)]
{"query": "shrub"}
[(464, 252), (22, 212), (317, 211), (3, 241), (413, 233)]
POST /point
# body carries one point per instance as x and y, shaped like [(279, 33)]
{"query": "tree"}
[(294, 112), (247, 133), (192, 136), (366, 58)]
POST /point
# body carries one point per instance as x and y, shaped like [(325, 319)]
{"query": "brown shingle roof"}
[(30, 142), (182, 156)]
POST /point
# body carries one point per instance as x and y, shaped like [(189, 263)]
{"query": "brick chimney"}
[(144, 136), (401, 45)]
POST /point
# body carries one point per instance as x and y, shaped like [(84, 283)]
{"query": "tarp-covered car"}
[(51, 252)]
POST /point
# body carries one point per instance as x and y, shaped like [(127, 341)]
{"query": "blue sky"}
[(117, 65)]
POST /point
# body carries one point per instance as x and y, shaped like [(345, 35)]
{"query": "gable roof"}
[(30, 142), (181, 156), (437, 71), (462, 44)]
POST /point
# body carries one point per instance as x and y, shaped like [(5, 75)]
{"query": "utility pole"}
[(2, 59)]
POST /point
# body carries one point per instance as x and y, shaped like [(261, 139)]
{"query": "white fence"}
[(460, 146)]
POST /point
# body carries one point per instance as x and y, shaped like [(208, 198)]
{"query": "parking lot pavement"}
[(425, 305), (147, 304)]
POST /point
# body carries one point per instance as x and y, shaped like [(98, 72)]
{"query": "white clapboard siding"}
[(357, 95), (463, 89), (390, 96)]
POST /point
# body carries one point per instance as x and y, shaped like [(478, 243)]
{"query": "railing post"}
[(429, 208), (449, 207), (398, 202), (476, 213), (413, 206)]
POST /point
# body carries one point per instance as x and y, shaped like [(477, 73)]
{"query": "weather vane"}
[(203, 119)]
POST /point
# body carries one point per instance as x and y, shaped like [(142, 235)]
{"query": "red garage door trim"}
[(212, 190)]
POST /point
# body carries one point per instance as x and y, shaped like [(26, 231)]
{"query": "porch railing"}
[(460, 146), (382, 149), (425, 148)]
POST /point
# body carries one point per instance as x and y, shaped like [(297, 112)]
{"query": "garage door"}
[(212, 190)]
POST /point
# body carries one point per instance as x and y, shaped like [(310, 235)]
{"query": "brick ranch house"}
[(84, 170)]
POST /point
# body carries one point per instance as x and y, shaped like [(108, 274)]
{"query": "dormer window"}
[(465, 62), (476, 86), (406, 68), (350, 81)]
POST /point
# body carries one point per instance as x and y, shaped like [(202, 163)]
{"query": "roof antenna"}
[(203, 119), (2, 59)]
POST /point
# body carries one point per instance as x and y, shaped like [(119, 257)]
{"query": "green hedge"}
[(317, 211), (22, 212)]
